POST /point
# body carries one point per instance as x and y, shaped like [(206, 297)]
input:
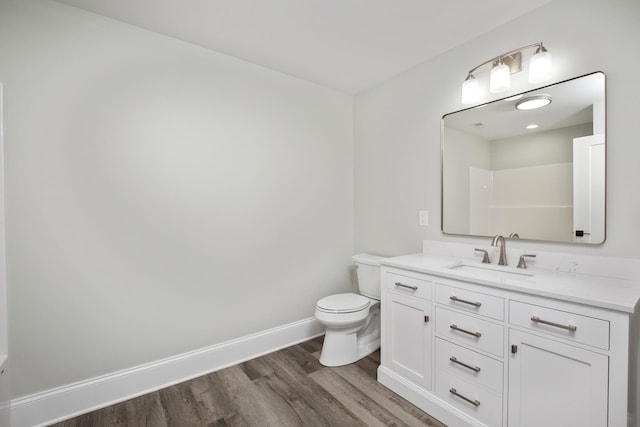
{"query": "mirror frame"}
[(537, 90)]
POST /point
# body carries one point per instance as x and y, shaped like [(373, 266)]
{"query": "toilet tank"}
[(368, 270)]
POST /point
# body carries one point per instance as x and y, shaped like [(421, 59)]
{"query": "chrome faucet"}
[(498, 240), (522, 263)]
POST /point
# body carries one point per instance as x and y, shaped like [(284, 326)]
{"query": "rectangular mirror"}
[(536, 174)]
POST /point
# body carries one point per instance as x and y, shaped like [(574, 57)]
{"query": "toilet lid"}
[(343, 303)]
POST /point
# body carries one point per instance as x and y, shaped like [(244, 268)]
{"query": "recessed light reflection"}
[(532, 126)]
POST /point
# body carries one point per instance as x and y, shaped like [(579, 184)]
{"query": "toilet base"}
[(343, 347)]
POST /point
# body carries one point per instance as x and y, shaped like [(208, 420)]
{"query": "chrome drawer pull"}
[(455, 327), (473, 368), (456, 299), (402, 285), (453, 391), (571, 328)]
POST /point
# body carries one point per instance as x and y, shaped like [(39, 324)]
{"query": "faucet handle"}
[(522, 263), (485, 256)]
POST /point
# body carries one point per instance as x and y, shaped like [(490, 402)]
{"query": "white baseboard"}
[(85, 396)]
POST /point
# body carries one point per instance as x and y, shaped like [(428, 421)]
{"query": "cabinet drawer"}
[(470, 331), (467, 364), (409, 285), (575, 327), (475, 302), (482, 404)]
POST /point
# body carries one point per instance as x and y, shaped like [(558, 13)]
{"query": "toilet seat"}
[(343, 303)]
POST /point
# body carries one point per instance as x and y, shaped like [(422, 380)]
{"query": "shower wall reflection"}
[(546, 183)]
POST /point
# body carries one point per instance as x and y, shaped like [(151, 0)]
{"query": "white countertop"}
[(605, 292)]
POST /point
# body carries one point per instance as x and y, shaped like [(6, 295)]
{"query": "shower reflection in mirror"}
[(508, 167)]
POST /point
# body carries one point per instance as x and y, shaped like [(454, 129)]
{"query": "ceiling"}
[(571, 105), (349, 45)]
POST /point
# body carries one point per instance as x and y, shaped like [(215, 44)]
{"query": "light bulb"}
[(540, 66), (470, 90), (500, 79)]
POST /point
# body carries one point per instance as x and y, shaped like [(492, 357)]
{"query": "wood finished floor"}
[(285, 388)]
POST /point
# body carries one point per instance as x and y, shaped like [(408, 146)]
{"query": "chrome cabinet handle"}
[(402, 285), (455, 327), (453, 391), (571, 328), (473, 368), (456, 299)]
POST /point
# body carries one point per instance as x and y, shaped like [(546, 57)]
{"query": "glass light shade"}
[(500, 79), (470, 90), (540, 67)]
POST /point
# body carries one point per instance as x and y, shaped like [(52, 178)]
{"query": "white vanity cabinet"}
[(470, 337), (408, 330), (503, 357), (551, 383)]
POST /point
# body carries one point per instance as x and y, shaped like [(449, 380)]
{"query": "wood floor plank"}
[(370, 364), (404, 410), (304, 359), (285, 388), (356, 401), (251, 404), (286, 400), (181, 408), (256, 368), (313, 345), (211, 398), (219, 423), (233, 420), (315, 396), (144, 411), (205, 398)]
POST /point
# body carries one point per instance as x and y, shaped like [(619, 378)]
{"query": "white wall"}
[(160, 197), (533, 201), (540, 148), (397, 125), (468, 152), (5, 391)]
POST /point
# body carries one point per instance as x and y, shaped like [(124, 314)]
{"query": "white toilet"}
[(352, 320)]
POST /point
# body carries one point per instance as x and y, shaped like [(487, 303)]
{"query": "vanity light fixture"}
[(503, 66), (470, 90), (540, 66), (500, 78), (532, 126), (533, 102)]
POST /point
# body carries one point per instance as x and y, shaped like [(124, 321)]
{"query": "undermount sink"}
[(490, 272)]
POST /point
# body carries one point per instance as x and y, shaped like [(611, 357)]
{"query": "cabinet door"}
[(409, 337), (555, 384)]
